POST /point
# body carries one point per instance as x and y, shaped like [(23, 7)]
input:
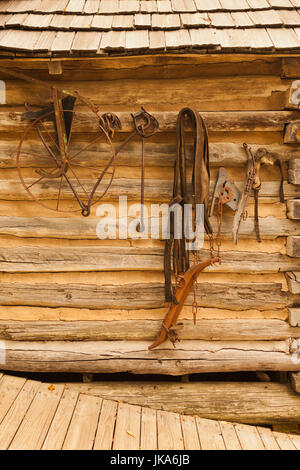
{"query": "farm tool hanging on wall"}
[(253, 182), (59, 156)]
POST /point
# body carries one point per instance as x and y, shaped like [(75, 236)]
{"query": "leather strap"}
[(192, 192)]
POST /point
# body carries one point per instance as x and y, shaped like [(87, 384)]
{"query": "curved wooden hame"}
[(181, 295)]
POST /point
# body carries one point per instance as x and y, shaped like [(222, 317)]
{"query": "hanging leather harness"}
[(195, 192)]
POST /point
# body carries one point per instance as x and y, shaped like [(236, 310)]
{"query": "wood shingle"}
[(63, 41), (164, 6), (86, 41), (195, 19), (183, 6), (51, 6), (75, 6), (258, 4), (102, 22), (91, 6), (161, 21), (112, 40), (253, 20), (176, 39)]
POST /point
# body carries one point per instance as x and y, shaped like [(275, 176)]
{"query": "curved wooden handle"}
[(181, 296)]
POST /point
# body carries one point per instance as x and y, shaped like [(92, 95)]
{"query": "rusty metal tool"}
[(225, 189)]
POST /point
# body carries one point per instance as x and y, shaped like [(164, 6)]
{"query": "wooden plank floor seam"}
[(35, 415)]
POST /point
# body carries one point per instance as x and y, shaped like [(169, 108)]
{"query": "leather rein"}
[(194, 192)]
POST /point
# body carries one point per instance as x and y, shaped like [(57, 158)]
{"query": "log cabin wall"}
[(71, 302), (95, 305)]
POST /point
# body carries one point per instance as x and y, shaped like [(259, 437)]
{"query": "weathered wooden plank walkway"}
[(35, 415)]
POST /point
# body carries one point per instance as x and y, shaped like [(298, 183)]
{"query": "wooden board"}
[(128, 425), (190, 433), (76, 425), (249, 438), (33, 429), (268, 439), (10, 387), (295, 440), (61, 421), (169, 431), (148, 429), (106, 426), (230, 437), (284, 441), (17, 412), (82, 430), (210, 434)]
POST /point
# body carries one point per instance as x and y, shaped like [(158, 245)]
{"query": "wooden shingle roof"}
[(95, 27)]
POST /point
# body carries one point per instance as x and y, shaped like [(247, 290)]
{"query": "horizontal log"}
[(290, 67), (112, 258), (85, 228), (66, 259), (216, 121), (146, 330), (293, 282), (134, 357), (156, 190), (148, 66), (293, 246), (240, 402), (294, 171), (157, 154), (21, 313), (261, 92), (293, 209), (239, 296)]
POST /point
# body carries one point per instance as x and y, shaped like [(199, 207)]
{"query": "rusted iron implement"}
[(184, 288), (61, 113), (241, 212), (253, 182)]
